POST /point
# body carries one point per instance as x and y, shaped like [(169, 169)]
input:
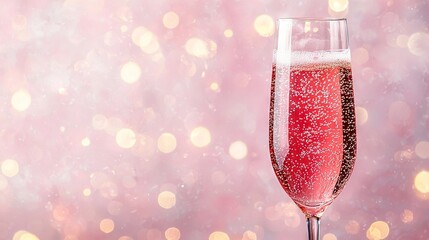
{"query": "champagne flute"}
[(312, 126)]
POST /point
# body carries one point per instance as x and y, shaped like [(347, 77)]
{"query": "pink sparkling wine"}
[(313, 131)]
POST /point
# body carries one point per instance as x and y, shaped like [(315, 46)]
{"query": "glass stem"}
[(313, 224)]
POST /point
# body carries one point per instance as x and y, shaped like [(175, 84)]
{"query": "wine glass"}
[(312, 126)]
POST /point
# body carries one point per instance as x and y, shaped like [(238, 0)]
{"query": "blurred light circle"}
[(107, 225), (422, 149), (125, 238), (172, 233), (60, 212), (421, 182), (10, 168), (167, 143), (361, 115), (418, 43), (130, 72), (145, 39), (249, 235), (329, 236), (24, 235), (138, 34), (86, 142), (125, 138), (238, 150), (214, 86), (199, 48), (338, 5), (264, 25), (166, 199), (378, 230), (352, 227), (407, 216), (200, 137), (170, 20), (86, 192), (21, 100), (228, 33), (218, 236), (292, 219), (402, 41)]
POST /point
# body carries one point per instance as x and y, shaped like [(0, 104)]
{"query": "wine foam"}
[(320, 57)]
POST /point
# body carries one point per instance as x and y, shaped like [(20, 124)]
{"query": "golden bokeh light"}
[(421, 182), (124, 28), (418, 43), (170, 20), (238, 150), (407, 216), (107, 225), (125, 238), (21, 100), (172, 233), (86, 192), (264, 25), (86, 142), (329, 236), (201, 49), (378, 230), (361, 115), (166, 199), (214, 86), (24, 235), (60, 212), (167, 143), (139, 33), (200, 137), (217, 235), (9, 168), (422, 149), (125, 138), (228, 33), (62, 91), (249, 235), (338, 5), (145, 39), (130, 72)]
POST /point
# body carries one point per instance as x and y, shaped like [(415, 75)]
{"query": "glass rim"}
[(314, 19)]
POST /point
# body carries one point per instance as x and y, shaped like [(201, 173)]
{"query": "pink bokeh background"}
[(132, 120)]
